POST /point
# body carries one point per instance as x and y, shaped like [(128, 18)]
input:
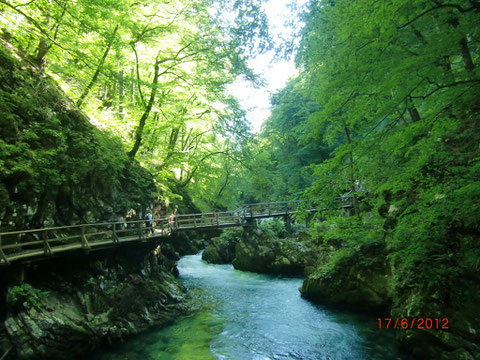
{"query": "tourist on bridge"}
[(172, 218), (149, 223)]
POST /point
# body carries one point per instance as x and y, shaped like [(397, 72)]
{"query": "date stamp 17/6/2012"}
[(415, 323)]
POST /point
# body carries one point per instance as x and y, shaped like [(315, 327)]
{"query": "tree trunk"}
[(356, 206), (146, 113), (414, 115), (99, 69), (121, 96), (42, 51), (132, 98), (467, 58)]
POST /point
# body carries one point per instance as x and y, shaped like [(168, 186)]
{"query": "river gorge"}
[(244, 315)]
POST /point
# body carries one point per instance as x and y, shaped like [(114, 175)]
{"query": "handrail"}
[(274, 203), (78, 226), (50, 240)]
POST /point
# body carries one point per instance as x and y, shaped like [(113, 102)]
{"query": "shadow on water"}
[(248, 316), (190, 338)]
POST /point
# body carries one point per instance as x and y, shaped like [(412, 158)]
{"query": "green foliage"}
[(26, 296), (396, 86), (154, 74), (56, 166), (350, 232), (231, 235), (335, 261), (274, 227), (281, 162)]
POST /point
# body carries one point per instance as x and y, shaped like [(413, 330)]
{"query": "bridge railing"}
[(270, 209), (193, 221), (22, 244), (46, 241)]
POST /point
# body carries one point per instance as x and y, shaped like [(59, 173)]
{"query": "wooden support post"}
[(2, 254), (85, 244), (288, 223), (114, 234), (218, 221), (140, 233), (194, 221), (176, 222), (47, 250)]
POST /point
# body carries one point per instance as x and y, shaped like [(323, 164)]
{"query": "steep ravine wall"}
[(56, 168)]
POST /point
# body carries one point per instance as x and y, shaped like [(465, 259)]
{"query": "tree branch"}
[(439, 87), (146, 113), (99, 69), (442, 6), (44, 32), (139, 85)]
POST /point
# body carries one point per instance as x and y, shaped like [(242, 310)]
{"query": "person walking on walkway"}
[(149, 223), (172, 218)]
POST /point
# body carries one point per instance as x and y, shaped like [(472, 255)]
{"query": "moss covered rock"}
[(358, 278), (105, 299), (222, 249), (263, 252)]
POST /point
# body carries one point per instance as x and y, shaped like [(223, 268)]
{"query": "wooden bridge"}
[(31, 244)]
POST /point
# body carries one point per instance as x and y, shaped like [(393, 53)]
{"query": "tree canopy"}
[(153, 73)]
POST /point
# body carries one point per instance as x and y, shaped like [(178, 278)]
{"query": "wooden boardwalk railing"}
[(265, 210), (26, 244)]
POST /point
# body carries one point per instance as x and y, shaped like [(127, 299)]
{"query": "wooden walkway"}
[(39, 243)]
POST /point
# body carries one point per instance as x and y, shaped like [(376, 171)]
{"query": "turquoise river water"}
[(256, 317)]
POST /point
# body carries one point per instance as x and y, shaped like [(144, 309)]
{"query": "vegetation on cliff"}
[(154, 74), (103, 299), (56, 167)]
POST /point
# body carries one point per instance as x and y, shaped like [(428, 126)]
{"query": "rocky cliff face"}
[(261, 250), (363, 279), (221, 249), (69, 307), (360, 280)]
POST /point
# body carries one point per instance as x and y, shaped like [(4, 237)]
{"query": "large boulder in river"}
[(358, 278), (263, 252), (222, 249)]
